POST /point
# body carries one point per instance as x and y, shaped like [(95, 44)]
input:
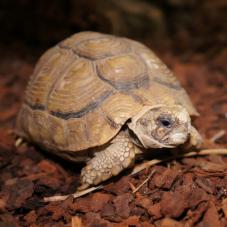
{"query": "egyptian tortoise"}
[(103, 99)]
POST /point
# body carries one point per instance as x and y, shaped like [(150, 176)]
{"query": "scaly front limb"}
[(109, 162), (195, 139)]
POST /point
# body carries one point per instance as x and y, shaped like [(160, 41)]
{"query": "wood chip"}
[(224, 207), (76, 222)]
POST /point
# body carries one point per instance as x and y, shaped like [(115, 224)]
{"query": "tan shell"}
[(85, 88)]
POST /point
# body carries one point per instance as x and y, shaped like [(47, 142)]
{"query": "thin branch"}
[(153, 162), (217, 136), (137, 169), (74, 195), (144, 182), (19, 141)]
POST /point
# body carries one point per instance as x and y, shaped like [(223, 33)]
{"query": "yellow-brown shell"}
[(85, 88)]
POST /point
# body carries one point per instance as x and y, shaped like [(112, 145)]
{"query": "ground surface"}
[(183, 192)]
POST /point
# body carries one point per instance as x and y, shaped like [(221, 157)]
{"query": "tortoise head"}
[(161, 126)]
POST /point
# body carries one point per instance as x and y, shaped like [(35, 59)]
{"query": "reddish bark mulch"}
[(186, 192)]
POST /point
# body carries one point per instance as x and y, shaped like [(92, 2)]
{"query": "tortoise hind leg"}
[(109, 162)]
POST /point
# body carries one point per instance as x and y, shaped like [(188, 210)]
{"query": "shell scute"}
[(79, 88), (123, 72), (95, 45)]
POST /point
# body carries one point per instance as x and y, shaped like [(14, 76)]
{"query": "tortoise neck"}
[(134, 138)]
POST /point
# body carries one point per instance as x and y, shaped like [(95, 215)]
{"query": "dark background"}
[(183, 25)]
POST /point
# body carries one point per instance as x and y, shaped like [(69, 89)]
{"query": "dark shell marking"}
[(88, 108), (141, 80)]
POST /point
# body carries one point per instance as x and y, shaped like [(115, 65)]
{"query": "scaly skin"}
[(121, 152), (109, 162), (196, 139)]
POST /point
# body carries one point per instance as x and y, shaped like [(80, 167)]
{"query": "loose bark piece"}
[(76, 222), (224, 207), (168, 222), (92, 203), (121, 204), (211, 217)]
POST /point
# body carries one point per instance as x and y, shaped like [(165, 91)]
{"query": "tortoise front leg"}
[(110, 161), (195, 139)]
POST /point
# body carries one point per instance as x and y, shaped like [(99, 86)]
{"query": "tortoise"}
[(103, 100)]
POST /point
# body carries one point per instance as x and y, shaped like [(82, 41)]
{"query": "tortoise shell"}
[(84, 89)]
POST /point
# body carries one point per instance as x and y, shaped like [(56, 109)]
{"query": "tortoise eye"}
[(165, 122)]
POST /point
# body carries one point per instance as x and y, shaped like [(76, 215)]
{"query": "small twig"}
[(74, 195), (153, 162), (19, 141), (220, 151), (144, 182), (132, 186), (217, 136), (145, 165), (137, 169)]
